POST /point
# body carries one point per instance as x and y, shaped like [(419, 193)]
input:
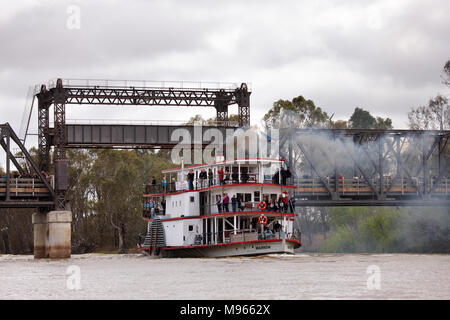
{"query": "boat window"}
[(191, 227), (246, 197), (192, 199), (256, 196)]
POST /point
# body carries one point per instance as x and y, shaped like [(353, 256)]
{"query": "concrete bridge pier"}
[(52, 234)]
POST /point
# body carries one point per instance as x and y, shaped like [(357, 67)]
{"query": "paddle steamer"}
[(225, 208)]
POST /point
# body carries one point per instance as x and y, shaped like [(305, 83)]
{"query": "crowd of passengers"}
[(152, 208), (206, 179), (223, 176), (284, 203)]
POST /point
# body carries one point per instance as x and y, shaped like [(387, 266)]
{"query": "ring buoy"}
[(263, 219), (262, 205)]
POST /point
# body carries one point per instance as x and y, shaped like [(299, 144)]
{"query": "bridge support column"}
[(52, 234)]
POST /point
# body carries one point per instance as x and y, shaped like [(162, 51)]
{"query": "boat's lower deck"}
[(245, 248)]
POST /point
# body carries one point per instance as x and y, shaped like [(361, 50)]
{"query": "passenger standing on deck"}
[(292, 204), (220, 173), (280, 202), (164, 184), (285, 203), (276, 178), (219, 203), (273, 205), (210, 177), (239, 201), (226, 202), (288, 174), (202, 177), (283, 176), (234, 203), (235, 176), (190, 179), (152, 208), (227, 175), (244, 176)]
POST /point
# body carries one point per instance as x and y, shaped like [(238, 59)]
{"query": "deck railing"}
[(198, 184), (232, 208), (240, 235)]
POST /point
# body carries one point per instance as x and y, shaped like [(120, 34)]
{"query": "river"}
[(299, 276)]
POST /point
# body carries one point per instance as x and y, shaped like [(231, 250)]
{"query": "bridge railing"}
[(115, 83), (148, 122), (359, 186), (25, 186)]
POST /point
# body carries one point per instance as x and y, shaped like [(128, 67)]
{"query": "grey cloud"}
[(284, 48)]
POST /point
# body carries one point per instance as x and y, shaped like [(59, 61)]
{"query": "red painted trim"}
[(229, 161), (218, 186), (228, 244), (243, 213)]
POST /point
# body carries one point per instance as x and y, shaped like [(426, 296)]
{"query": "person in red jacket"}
[(220, 173)]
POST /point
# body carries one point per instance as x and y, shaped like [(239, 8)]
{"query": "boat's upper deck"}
[(221, 172)]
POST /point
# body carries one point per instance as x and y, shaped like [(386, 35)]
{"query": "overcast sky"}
[(383, 56)]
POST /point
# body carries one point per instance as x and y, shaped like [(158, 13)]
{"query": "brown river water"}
[(299, 276)]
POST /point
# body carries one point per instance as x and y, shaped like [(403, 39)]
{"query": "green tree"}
[(199, 120), (339, 124), (362, 119), (299, 111)]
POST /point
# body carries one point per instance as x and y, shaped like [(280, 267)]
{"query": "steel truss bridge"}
[(332, 167), (369, 167)]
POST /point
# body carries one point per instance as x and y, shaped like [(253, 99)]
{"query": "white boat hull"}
[(251, 248)]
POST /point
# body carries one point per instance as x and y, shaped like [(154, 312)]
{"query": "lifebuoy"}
[(263, 219), (262, 205)]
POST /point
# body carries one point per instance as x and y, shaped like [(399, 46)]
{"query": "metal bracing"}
[(243, 101), (149, 96), (45, 99), (369, 167), (60, 145), (23, 195)]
